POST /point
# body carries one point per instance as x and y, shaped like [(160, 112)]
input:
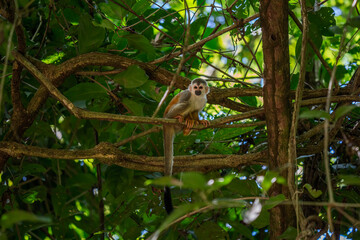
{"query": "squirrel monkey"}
[(184, 106)]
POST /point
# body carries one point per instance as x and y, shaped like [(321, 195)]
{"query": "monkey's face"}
[(198, 89)]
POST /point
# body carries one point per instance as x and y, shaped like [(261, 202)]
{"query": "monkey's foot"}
[(180, 118), (204, 122), (186, 131), (189, 123)]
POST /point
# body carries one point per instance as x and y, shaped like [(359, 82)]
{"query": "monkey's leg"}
[(198, 121), (190, 122)]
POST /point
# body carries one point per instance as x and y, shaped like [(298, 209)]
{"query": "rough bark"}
[(276, 92), (107, 153)]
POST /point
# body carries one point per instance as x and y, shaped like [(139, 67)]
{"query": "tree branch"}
[(205, 40), (108, 154), (84, 114)]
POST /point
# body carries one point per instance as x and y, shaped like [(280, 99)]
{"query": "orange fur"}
[(172, 102)]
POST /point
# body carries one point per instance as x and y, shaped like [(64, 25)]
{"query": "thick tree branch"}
[(58, 73), (108, 154), (274, 26), (84, 114)]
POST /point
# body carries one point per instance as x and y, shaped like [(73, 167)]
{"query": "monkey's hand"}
[(180, 118), (204, 122)]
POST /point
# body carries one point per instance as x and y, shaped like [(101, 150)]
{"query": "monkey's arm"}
[(178, 105)]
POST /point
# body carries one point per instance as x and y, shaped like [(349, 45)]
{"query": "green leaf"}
[(196, 26), (210, 230), (58, 199), (82, 180), (274, 201), (71, 15), (336, 29), (343, 110), (119, 41), (269, 178), (354, 22), (85, 92), (317, 39), (112, 10), (164, 181), (16, 216), (3, 236), (105, 23), (244, 188), (139, 7), (194, 181), (228, 203), (294, 81), (117, 179), (177, 213), (142, 44), (217, 183), (263, 220), (90, 36), (250, 100), (34, 194), (31, 168), (149, 89), (126, 131), (242, 8), (314, 114), (30, 197), (313, 192), (310, 3), (242, 229), (290, 233), (132, 77), (135, 107), (255, 5), (40, 128), (322, 20), (228, 133), (349, 179), (212, 44)]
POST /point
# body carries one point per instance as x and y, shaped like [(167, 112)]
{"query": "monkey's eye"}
[(201, 87), (195, 87)]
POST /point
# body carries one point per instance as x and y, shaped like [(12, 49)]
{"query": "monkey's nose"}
[(198, 92)]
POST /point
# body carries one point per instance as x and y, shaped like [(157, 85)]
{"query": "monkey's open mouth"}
[(198, 93)]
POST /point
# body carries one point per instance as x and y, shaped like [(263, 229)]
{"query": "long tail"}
[(167, 200), (169, 135)]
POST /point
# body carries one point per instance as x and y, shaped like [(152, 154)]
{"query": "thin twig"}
[(312, 44), (8, 50), (132, 138), (205, 40), (294, 122), (327, 123), (125, 6)]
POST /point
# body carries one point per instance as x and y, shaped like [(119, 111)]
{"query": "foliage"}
[(52, 198)]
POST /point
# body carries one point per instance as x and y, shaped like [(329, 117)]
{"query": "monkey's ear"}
[(189, 87), (207, 89)]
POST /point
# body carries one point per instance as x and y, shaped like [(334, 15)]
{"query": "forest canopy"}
[(84, 85)]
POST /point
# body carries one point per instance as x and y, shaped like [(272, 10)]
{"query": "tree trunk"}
[(274, 24)]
